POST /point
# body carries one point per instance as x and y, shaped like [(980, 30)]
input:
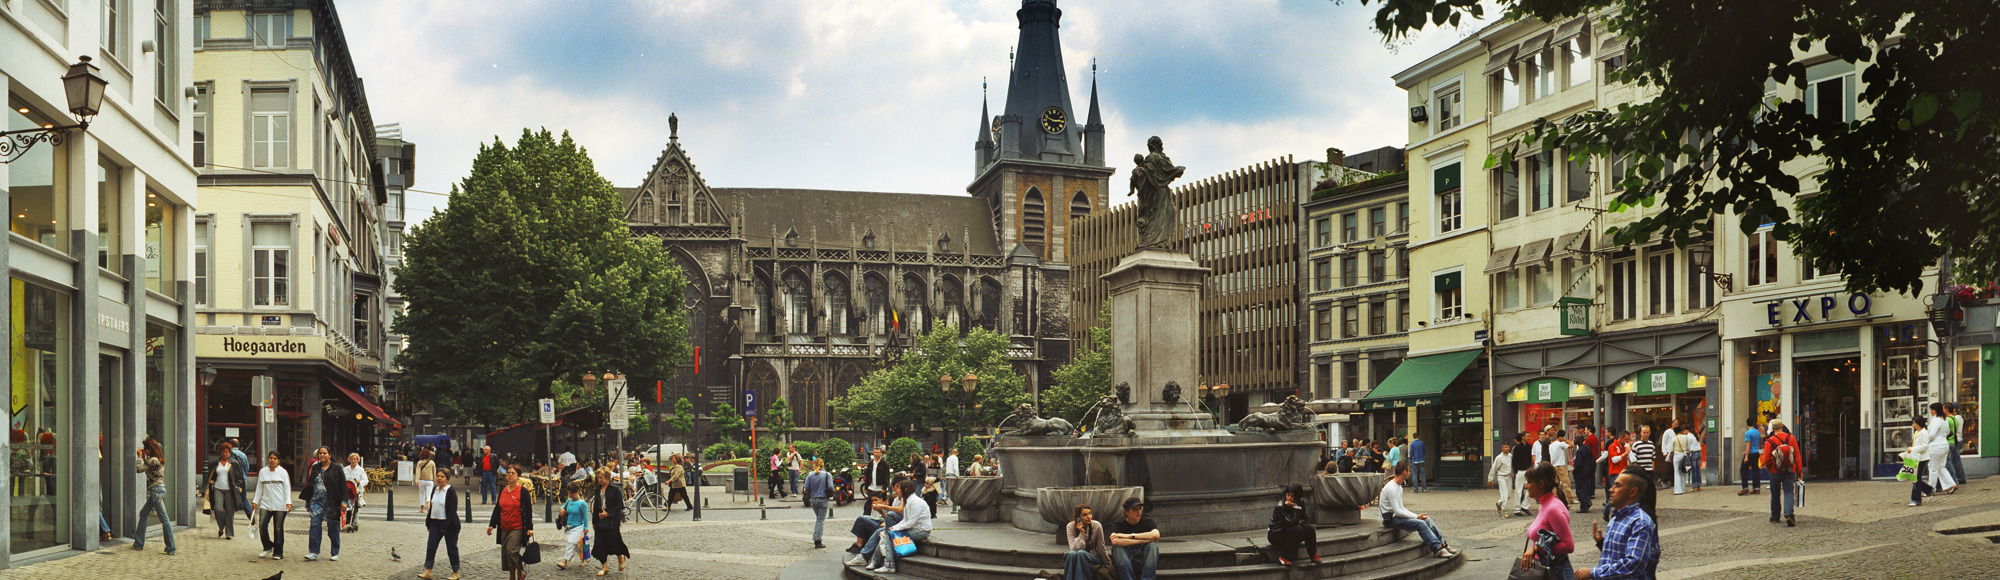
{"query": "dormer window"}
[(944, 243), (792, 238), (868, 241)]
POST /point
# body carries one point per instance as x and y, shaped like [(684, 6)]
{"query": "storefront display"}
[(38, 474), (1968, 401)]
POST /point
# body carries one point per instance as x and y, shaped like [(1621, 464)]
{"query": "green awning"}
[(1419, 381)]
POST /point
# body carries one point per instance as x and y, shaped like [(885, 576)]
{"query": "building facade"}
[(1355, 275), (398, 159), (798, 293), (289, 266), (99, 262), (1243, 226)]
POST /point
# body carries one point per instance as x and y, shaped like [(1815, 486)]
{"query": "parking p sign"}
[(749, 403)]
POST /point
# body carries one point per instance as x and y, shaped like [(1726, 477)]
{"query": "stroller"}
[(349, 523)]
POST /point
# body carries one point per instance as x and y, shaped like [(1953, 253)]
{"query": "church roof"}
[(909, 221)]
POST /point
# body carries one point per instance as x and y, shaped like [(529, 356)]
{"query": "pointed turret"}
[(1038, 97), (1093, 126), (983, 148)]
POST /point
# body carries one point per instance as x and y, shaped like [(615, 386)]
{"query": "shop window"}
[(162, 371), (41, 484), (110, 214), (38, 184), (1968, 401), (160, 243)]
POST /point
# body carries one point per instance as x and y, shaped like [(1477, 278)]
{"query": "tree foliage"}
[(682, 422), (727, 421), (778, 420), (968, 448), (1900, 187), (838, 454), (1086, 378), (529, 275), (907, 392)]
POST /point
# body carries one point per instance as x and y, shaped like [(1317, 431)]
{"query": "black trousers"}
[(1286, 541), (271, 531), (679, 492)]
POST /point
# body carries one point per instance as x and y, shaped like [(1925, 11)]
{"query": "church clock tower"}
[(1036, 167)]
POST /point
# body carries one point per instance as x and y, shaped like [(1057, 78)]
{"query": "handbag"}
[(1536, 570), (902, 543), (1909, 470), (532, 553)]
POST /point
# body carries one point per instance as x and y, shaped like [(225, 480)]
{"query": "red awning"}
[(381, 418)]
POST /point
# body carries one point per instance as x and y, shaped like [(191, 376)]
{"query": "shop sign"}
[(1661, 381), (1543, 391), (1575, 315), (279, 347), (1817, 308), (1402, 403)]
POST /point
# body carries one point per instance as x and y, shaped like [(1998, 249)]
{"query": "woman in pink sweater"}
[(1548, 537)]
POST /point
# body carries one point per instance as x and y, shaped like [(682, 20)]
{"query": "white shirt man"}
[(951, 464), (566, 459)]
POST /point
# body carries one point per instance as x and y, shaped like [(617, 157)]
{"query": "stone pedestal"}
[(1156, 339)]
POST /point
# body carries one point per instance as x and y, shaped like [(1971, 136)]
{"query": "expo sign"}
[(1818, 308)]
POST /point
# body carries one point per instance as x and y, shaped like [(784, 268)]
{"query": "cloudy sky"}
[(873, 95)]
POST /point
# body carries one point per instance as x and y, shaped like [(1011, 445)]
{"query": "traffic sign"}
[(621, 408), (749, 403), (548, 411)]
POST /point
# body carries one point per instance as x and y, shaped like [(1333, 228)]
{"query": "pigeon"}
[(278, 576), (393, 556)]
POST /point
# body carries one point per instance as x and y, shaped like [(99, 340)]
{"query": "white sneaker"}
[(279, 557), (336, 557), (312, 557), (887, 570), (264, 554), (857, 561)]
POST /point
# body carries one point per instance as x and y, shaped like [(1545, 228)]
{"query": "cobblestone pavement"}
[(1846, 530)]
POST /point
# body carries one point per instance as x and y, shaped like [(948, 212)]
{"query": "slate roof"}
[(917, 219)]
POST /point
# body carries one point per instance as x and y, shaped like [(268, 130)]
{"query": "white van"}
[(659, 453)]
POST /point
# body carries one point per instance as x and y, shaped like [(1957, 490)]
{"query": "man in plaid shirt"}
[(1631, 549)]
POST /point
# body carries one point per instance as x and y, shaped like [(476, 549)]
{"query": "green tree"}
[(727, 421), (968, 447), (907, 391), (530, 275), (898, 455), (1902, 187), (1086, 378), (682, 423), (778, 420), (807, 449)]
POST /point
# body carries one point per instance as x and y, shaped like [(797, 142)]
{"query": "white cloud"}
[(865, 94)]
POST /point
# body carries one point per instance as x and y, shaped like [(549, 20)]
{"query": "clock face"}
[(1053, 120)]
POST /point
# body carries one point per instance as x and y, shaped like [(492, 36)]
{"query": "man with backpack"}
[(1781, 459)]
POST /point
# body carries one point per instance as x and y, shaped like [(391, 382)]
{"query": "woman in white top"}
[(440, 509), (1940, 446), (274, 498), (357, 481)]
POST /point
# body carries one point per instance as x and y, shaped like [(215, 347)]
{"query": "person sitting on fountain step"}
[(1086, 544), (1291, 527), (915, 523), (865, 526), (1396, 516), (1135, 543)]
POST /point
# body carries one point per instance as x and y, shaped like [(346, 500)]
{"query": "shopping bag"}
[(902, 543), (1799, 491), (1909, 470), (583, 547)]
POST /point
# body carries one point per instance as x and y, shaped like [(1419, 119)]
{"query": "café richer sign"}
[(1818, 308)]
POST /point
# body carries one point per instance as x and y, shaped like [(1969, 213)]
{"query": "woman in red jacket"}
[(513, 515)]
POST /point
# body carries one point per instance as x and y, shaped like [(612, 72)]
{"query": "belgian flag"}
[(895, 320)]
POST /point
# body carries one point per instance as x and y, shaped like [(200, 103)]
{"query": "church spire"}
[(1093, 126), (1038, 90), (983, 147)]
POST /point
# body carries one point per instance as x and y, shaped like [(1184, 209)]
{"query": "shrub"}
[(807, 449), (838, 455), (898, 455), (968, 447), (723, 449)]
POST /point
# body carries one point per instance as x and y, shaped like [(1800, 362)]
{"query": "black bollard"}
[(391, 508), (468, 506)]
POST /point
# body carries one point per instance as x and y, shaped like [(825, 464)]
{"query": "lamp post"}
[(968, 384), (1222, 403), (1704, 259), (84, 92)]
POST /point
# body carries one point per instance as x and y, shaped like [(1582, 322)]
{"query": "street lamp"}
[(85, 93), (968, 384), (1703, 258), (206, 376), (1222, 402)]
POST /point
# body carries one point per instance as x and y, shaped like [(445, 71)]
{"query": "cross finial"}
[(1093, 68), (982, 86)]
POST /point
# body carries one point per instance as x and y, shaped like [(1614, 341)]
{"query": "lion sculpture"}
[(1292, 415), (1031, 424), (1111, 422)]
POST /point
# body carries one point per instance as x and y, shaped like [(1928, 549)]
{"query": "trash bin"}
[(741, 482)]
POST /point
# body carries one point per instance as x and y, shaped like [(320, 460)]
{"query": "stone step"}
[(1403, 560), (1001, 546)]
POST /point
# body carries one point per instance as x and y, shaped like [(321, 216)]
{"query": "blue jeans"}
[(156, 497), (1424, 529), (488, 486), (431, 545), (794, 475), (819, 517), (1781, 487), (1417, 475), (1077, 563), (1140, 562), (1561, 569), (1954, 465), (869, 527), (322, 515)]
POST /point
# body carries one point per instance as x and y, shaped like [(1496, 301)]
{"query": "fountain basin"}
[(977, 498), (1055, 503), (1340, 497)]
